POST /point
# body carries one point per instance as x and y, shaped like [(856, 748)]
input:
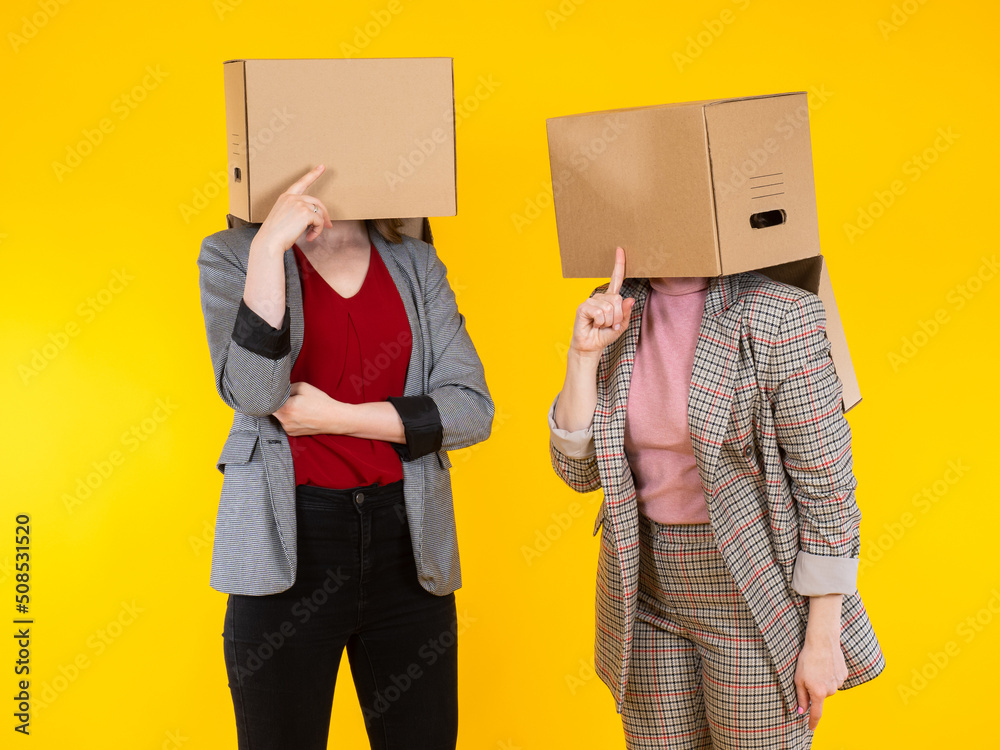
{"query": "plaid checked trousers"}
[(700, 675)]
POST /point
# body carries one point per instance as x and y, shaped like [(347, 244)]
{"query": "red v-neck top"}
[(356, 349)]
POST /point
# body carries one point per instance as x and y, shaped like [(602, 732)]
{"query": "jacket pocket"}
[(238, 449)]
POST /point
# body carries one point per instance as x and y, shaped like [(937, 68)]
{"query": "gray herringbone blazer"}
[(255, 536)]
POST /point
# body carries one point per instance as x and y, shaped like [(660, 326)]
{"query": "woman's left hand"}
[(308, 411), (819, 672)]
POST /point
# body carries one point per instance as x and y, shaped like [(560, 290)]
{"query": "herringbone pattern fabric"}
[(254, 550)]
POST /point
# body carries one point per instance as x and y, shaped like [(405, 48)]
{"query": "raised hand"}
[(603, 317), (292, 214)]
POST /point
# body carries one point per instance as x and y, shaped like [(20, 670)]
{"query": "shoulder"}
[(416, 257), (232, 243), (769, 303)]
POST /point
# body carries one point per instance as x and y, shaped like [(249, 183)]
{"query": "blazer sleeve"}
[(457, 410), (815, 439), (573, 455), (252, 360)]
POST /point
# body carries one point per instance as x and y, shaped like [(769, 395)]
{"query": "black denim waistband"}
[(373, 495)]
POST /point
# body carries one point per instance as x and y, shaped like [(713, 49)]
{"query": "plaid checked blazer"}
[(774, 455), (254, 551)]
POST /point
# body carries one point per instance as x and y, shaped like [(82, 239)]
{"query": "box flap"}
[(812, 275)]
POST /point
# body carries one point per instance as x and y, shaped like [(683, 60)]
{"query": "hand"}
[(602, 318), (819, 673), (308, 411), (292, 214)]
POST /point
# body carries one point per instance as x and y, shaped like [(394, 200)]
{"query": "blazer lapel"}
[(616, 370), (416, 381), (712, 378)]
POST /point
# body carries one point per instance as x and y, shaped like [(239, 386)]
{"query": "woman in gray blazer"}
[(351, 375)]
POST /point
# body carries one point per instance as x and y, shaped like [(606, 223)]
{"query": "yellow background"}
[(141, 539)]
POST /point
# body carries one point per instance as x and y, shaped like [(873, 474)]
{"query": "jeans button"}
[(359, 497)]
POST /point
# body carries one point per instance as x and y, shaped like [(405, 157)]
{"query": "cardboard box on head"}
[(384, 128), (694, 189), (701, 188)]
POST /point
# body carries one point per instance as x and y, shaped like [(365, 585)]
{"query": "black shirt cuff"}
[(254, 333), (421, 426)]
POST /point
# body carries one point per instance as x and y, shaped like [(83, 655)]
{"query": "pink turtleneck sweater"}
[(657, 440)]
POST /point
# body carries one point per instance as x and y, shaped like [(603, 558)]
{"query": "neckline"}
[(678, 286), (372, 252)]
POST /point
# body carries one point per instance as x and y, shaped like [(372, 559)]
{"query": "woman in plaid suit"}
[(727, 622)]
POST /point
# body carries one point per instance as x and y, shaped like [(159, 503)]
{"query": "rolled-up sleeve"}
[(815, 439), (252, 360), (818, 575), (579, 472), (575, 444), (421, 426), (254, 333)]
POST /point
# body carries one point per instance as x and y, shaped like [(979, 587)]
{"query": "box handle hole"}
[(766, 219)]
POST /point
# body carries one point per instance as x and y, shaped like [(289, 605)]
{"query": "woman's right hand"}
[(603, 317), (292, 214)]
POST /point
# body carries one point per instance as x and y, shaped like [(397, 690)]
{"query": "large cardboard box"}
[(693, 189), (700, 188), (384, 128)]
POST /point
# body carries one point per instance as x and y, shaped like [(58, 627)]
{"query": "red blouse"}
[(356, 349)]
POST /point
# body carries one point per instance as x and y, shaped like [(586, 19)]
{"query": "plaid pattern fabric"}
[(774, 455), (700, 674), (254, 551)]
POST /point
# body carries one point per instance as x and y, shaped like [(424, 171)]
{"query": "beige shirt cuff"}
[(576, 444), (818, 575)]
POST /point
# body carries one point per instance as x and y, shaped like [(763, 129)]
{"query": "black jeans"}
[(357, 588)]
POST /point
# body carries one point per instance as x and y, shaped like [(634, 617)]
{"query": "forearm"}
[(823, 624), (264, 291), (376, 420), (578, 398)]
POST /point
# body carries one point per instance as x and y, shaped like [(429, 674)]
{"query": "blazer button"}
[(747, 451)]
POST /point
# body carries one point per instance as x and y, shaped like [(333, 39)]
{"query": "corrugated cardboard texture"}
[(762, 161), (384, 128), (676, 186), (812, 275), (619, 178)]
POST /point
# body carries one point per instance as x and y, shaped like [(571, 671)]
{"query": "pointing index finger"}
[(618, 274), (302, 184)]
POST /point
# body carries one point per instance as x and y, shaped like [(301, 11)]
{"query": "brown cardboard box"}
[(811, 274), (384, 128), (700, 188), (694, 189)]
